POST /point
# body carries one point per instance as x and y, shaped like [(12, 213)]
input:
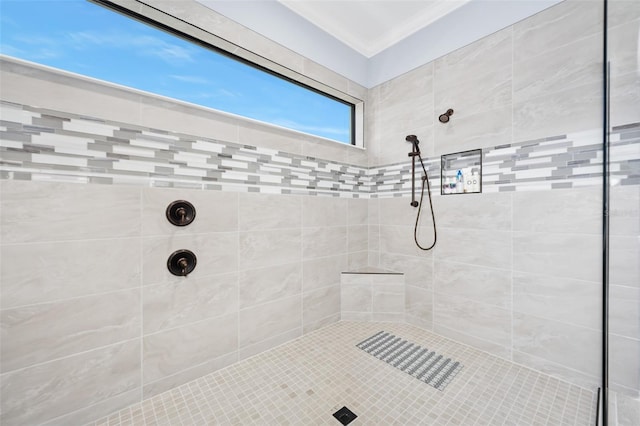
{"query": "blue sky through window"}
[(79, 36)]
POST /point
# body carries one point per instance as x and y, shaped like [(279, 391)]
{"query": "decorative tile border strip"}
[(421, 363), (40, 144)]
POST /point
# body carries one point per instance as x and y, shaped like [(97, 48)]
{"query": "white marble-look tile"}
[(570, 374), (324, 211), (555, 27), (400, 240), (476, 319), (625, 96), (627, 409), (486, 285), (624, 210), (103, 408), (216, 211), (488, 90), (173, 304), (396, 211), (261, 322), (624, 268), (356, 297), (192, 372), (323, 241), (357, 260), (171, 351), (488, 55), (564, 211), (624, 311), (419, 303), (44, 332), (184, 118), (388, 293), (31, 213), (268, 343), (418, 271), (472, 130), (624, 362), (257, 286), (266, 211), (560, 299), (574, 64), (469, 337), (268, 137), (357, 238), (565, 344), (357, 211), (474, 246), (268, 248), (42, 272), (320, 307), (216, 253), (36, 394), (576, 256), (474, 211), (558, 113), (322, 272)]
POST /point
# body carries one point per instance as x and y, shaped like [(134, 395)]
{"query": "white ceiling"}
[(371, 26), (373, 41)]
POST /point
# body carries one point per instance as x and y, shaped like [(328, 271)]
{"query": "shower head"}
[(413, 139), (444, 118)]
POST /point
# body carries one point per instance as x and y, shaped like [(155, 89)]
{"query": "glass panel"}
[(624, 246)]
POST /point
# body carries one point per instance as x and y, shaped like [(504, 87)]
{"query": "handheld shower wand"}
[(415, 152)]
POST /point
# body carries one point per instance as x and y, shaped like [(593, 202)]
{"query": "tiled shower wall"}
[(517, 271), (507, 266)]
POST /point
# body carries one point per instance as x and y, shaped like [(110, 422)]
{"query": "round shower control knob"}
[(181, 213), (182, 262)]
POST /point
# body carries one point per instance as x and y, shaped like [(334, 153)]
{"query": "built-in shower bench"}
[(372, 294)]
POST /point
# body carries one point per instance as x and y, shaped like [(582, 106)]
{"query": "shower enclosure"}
[(538, 267)]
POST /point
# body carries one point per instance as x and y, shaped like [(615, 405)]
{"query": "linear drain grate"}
[(419, 362)]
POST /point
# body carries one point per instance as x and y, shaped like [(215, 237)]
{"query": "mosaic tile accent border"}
[(418, 362), (40, 144)]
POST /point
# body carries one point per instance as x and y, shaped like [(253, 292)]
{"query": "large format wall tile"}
[(418, 271), (576, 256), (324, 241), (217, 253), (267, 248), (624, 268), (31, 214), (560, 299), (171, 351), (564, 211), (419, 303), (268, 320), (257, 286), (400, 240), (624, 311), (38, 333), (474, 246), (320, 307), (624, 363), (43, 272), (474, 211), (36, 394), (324, 211), (482, 321), (480, 284), (569, 345), (172, 305), (266, 211), (322, 272), (216, 211), (555, 27), (571, 65), (191, 372)]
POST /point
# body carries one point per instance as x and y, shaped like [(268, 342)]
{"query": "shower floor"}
[(305, 381)]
